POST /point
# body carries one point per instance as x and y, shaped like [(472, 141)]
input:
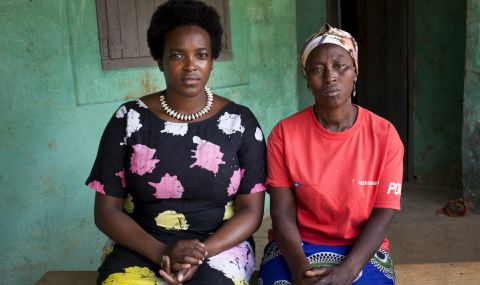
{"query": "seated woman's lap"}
[(123, 266), (274, 270)]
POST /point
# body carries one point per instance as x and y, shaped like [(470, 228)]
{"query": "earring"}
[(354, 89)]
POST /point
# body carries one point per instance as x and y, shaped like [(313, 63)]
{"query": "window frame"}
[(123, 44)]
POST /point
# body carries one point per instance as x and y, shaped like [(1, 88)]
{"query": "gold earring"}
[(354, 89)]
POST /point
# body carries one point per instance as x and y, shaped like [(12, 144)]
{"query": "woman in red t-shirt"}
[(334, 176)]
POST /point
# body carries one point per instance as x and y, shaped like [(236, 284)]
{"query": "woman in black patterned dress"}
[(180, 174)]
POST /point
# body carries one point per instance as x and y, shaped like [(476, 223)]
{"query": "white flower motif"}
[(258, 134), (141, 104), (235, 262), (176, 129), (121, 112), (230, 123), (133, 124)]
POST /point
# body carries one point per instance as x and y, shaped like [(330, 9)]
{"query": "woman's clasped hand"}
[(181, 260)]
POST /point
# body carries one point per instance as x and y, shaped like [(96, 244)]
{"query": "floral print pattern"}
[(179, 180), (208, 155), (169, 187)]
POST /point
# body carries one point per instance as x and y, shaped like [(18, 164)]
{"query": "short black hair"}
[(176, 13)]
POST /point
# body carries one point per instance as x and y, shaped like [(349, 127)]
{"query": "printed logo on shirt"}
[(395, 188), (367, 183)]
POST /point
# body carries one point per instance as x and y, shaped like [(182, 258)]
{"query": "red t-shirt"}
[(338, 178)]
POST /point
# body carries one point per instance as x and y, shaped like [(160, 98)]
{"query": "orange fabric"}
[(338, 177)]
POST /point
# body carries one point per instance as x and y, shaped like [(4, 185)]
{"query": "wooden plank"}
[(383, 54), (375, 86), (224, 7), (102, 27), (461, 273), (116, 63), (85, 278), (396, 104), (128, 28), (159, 2), (114, 39), (68, 277), (219, 6), (145, 9), (411, 87), (333, 12)]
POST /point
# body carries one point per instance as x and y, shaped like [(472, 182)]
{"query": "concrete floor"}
[(417, 234)]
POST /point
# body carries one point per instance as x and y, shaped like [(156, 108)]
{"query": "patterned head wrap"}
[(329, 35)]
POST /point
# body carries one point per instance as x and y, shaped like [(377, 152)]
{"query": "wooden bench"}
[(83, 278), (68, 277), (459, 273)]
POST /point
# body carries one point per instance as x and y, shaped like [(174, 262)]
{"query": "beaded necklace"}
[(187, 117)]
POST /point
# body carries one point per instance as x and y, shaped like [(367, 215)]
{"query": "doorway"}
[(382, 29)]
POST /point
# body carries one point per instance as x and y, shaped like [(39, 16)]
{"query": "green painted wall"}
[(439, 54), (471, 106), (310, 15), (56, 101)]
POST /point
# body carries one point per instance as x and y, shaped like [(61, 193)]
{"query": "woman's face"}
[(331, 75), (187, 60)]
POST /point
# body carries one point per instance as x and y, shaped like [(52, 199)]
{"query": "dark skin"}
[(186, 65), (330, 75)]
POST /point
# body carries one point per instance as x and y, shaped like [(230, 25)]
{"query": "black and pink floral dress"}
[(179, 181)]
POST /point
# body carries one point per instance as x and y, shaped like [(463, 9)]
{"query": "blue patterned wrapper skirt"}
[(274, 270)]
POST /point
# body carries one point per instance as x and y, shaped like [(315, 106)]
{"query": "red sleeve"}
[(390, 183), (278, 174)]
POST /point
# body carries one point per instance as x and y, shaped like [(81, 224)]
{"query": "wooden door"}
[(381, 28)]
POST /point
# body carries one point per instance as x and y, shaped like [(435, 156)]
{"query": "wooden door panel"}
[(381, 30)]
